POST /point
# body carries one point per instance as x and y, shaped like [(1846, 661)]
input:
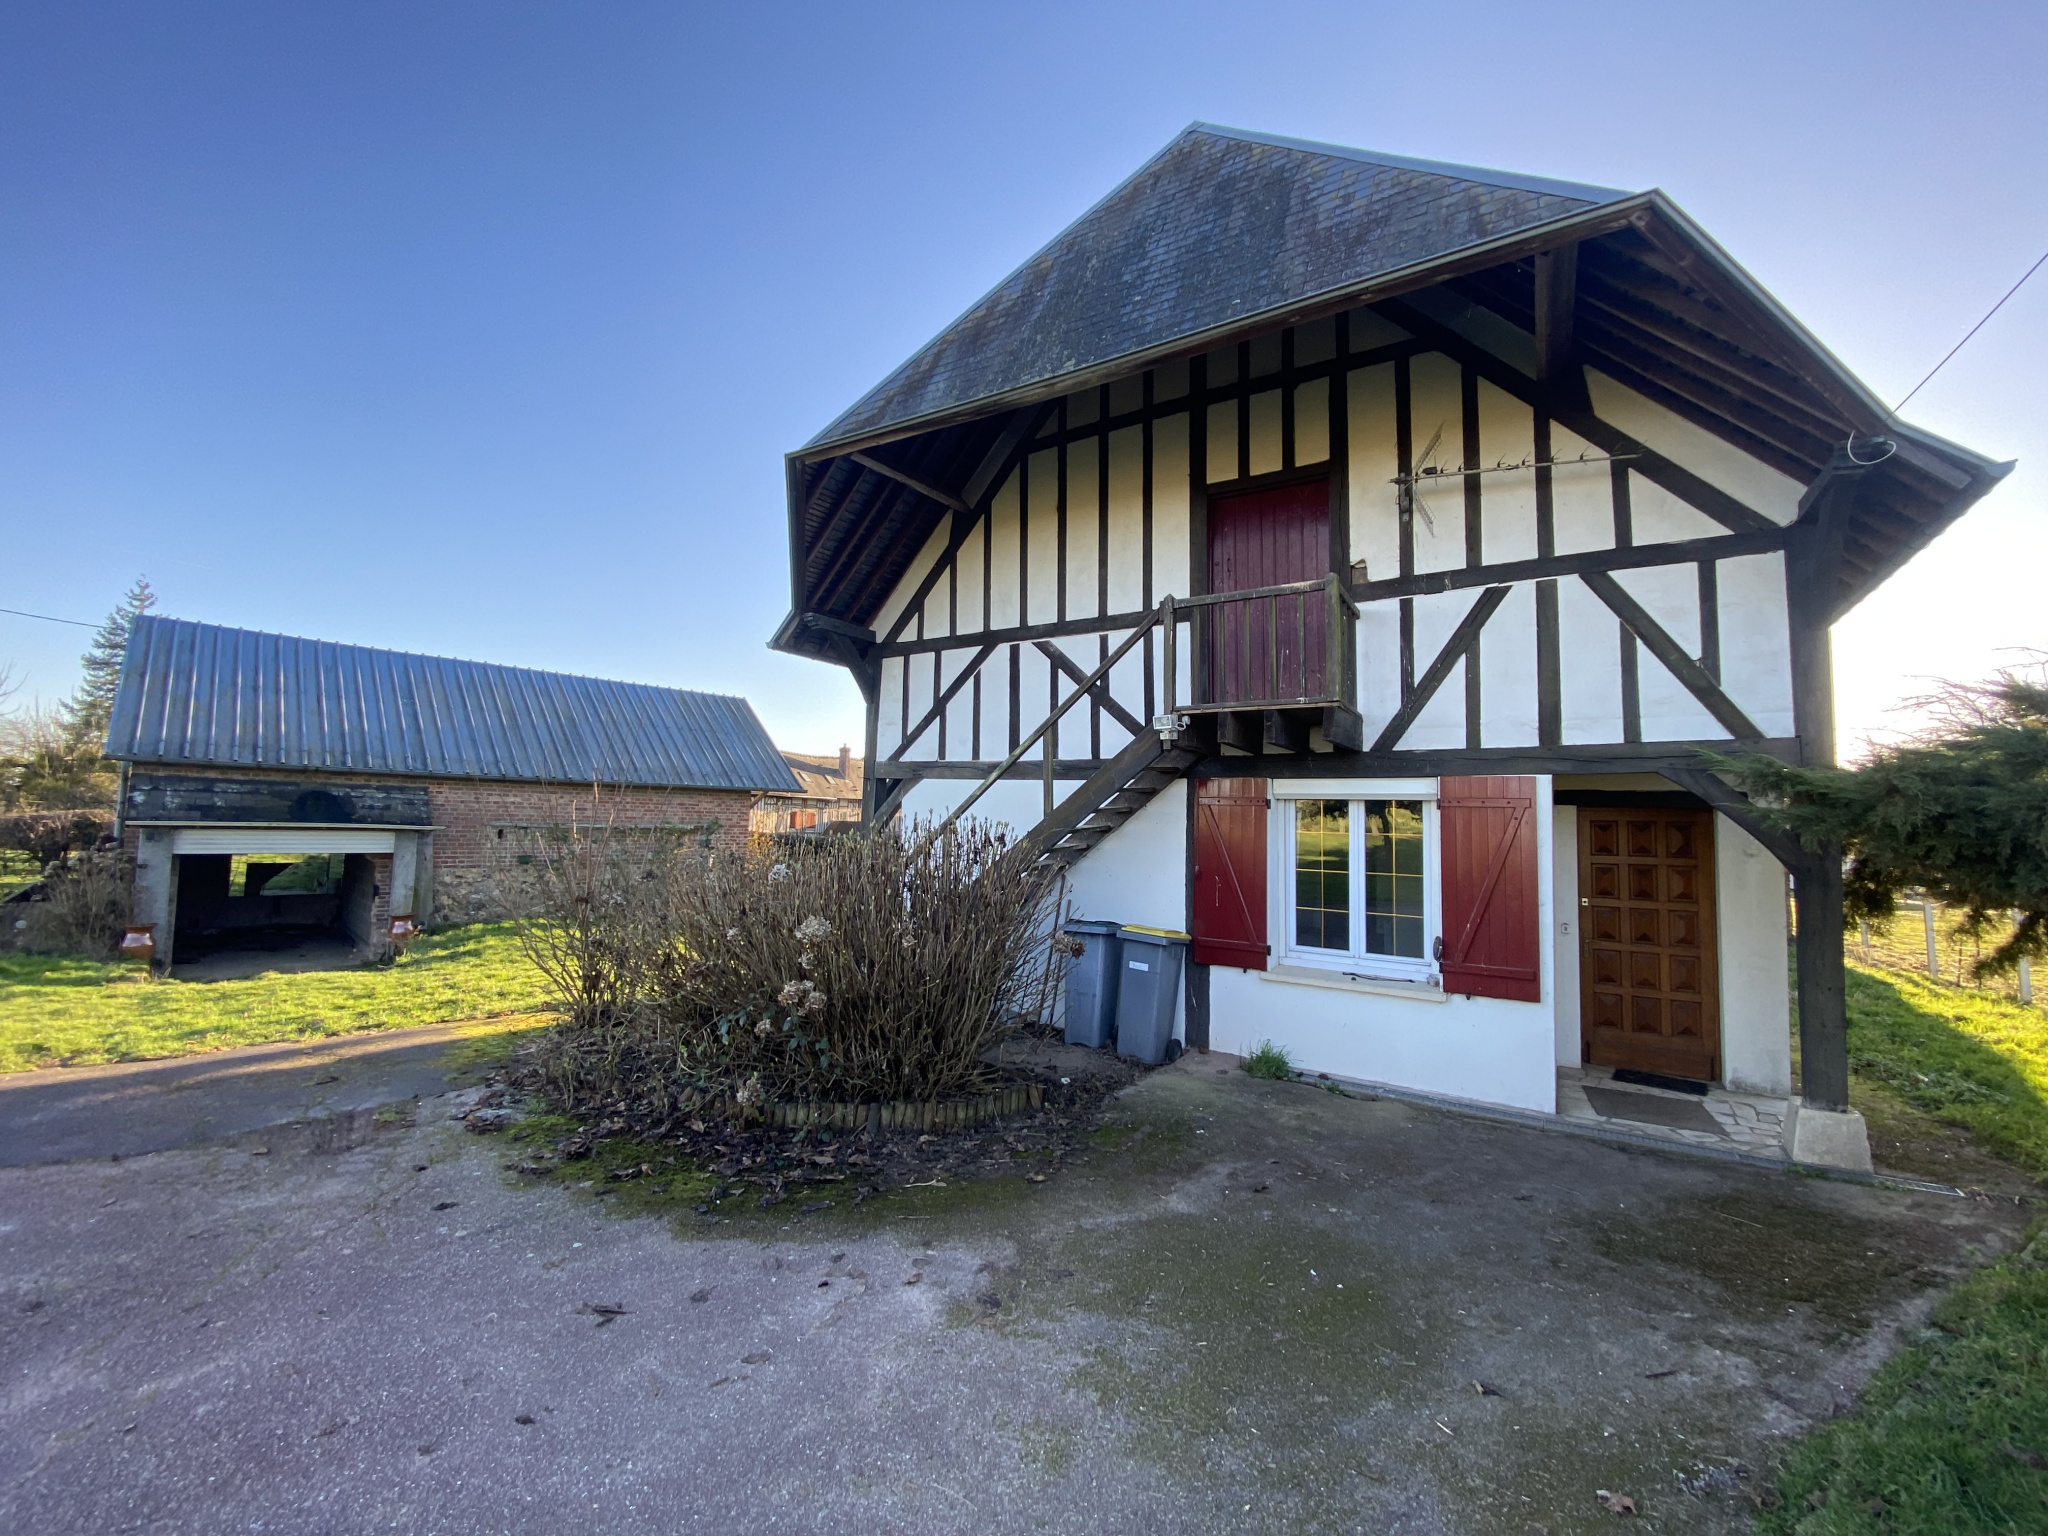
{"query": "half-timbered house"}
[(1343, 558)]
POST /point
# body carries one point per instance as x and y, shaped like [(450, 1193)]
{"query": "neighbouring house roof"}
[(1225, 234), (826, 777), (1219, 225), (194, 694)]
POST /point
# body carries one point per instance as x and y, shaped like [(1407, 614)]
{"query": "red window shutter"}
[(1230, 873), (1492, 946)]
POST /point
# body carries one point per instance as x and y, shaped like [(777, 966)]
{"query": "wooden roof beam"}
[(1559, 373)]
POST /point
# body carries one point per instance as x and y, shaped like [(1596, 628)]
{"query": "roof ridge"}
[(459, 661), (1585, 191)]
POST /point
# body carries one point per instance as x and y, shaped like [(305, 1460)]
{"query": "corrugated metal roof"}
[(202, 693), (1218, 226)]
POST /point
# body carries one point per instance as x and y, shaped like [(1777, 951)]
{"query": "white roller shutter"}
[(281, 840)]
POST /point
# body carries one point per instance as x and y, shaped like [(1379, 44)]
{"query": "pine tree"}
[(1960, 812), (91, 705)]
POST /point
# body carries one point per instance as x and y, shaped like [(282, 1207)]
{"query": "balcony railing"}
[(1284, 647)]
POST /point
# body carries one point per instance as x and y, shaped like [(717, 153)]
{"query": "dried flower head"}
[(764, 1028), (778, 873), (733, 935), (748, 1091), (812, 929)]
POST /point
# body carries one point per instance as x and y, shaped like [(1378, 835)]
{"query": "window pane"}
[(1393, 878), (1322, 874)]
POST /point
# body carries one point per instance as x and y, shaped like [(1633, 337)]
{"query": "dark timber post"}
[(1813, 557)]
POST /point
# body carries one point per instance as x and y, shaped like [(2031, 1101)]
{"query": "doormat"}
[(1659, 1080), (1647, 1109)]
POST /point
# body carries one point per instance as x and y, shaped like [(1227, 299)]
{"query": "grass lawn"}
[(1951, 1437), (16, 870), (58, 1011)]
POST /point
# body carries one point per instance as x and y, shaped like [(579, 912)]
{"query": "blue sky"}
[(481, 329)]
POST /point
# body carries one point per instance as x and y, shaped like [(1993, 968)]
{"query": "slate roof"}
[(203, 694), (1218, 226)]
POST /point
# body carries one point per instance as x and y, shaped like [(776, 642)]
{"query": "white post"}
[(1863, 936), (1927, 923), (2026, 982)]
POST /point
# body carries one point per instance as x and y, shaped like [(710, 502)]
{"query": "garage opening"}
[(253, 901)]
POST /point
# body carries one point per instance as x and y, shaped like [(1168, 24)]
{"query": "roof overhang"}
[(1931, 481)]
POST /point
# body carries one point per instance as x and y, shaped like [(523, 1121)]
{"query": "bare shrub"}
[(47, 836), (84, 907), (851, 969)]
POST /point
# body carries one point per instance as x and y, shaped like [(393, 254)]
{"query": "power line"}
[(47, 619), (1952, 351)]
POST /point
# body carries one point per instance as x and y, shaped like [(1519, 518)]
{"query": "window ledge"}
[(1338, 981)]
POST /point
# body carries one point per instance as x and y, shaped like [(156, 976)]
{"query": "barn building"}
[(273, 786), (1344, 559)]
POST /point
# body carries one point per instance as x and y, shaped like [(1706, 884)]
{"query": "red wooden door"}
[(1267, 649)]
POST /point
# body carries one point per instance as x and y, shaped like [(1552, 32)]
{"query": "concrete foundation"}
[(1829, 1138)]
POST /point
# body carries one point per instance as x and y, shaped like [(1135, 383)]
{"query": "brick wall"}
[(486, 831)]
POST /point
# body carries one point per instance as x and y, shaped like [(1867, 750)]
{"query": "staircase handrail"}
[(1081, 691)]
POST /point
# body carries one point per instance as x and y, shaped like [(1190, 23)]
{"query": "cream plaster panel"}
[(1507, 672), (1312, 422), (1442, 721), (1756, 995), (1126, 520), (900, 598), (1756, 644), (1581, 496), (1265, 432), (889, 707), (1589, 665), (1041, 506), (1170, 506), (1748, 480), (971, 616), (1507, 502), (1564, 906), (1222, 461), (1658, 517), (1379, 665), (1084, 528), (1435, 407), (1375, 509), (1004, 533)]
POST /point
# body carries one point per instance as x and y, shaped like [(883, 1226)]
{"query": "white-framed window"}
[(1356, 880)]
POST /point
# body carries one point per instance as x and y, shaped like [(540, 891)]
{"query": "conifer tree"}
[(91, 704), (1960, 811)]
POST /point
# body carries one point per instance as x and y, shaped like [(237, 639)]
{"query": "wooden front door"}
[(1267, 648), (1648, 997)]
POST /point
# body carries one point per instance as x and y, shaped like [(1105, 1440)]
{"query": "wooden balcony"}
[(1272, 669)]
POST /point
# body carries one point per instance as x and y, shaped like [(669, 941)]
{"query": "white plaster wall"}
[(1564, 905), (1311, 418), (1014, 803), (1756, 642), (1756, 994), (1139, 872), (1170, 505), (1375, 524), (1265, 431), (1436, 405), (1477, 1048), (1507, 668)]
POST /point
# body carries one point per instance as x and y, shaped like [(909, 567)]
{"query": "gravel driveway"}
[(1253, 1307)]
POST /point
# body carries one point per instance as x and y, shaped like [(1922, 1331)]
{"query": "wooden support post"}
[(1927, 927), (1823, 995)]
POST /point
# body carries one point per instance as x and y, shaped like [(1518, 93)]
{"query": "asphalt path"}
[(1253, 1307)]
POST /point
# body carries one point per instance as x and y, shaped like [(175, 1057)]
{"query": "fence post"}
[(1927, 924)]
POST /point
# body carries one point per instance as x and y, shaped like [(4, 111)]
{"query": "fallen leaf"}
[(758, 1357), (522, 1418), (1034, 1178), (1659, 1375), (915, 1277), (1615, 1503), (1486, 1389), (603, 1311), (721, 1382), (701, 1296), (446, 1205), (1260, 1189)]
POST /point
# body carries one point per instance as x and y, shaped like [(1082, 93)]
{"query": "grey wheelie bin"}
[(1092, 983), (1148, 992)]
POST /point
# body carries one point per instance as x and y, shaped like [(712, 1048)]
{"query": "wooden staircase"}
[(1108, 798)]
